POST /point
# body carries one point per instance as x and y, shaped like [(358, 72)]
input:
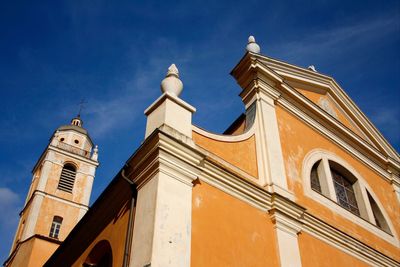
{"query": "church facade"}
[(302, 178)]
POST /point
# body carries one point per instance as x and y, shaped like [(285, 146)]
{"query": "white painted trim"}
[(31, 219), (225, 138), (351, 120), (62, 200), (345, 243), (271, 170), (286, 230), (318, 154)]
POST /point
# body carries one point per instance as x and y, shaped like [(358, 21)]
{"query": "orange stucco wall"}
[(41, 252), (229, 232), (297, 140), (316, 253), (51, 208), (241, 154), (114, 233), (34, 252)]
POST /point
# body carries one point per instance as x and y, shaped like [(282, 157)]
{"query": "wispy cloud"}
[(346, 37), (387, 119), (122, 105), (10, 205)]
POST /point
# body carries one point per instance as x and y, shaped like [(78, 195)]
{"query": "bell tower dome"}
[(58, 197)]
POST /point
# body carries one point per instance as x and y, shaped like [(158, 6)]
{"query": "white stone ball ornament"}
[(172, 84), (252, 46)]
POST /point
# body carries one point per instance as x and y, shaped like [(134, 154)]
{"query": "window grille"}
[(55, 226), (345, 192), (67, 178), (343, 185)]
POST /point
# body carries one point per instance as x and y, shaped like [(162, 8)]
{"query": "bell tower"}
[(58, 197)]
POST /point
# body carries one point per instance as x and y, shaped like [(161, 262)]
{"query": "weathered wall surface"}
[(229, 232), (318, 98), (51, 208), (297, 140)]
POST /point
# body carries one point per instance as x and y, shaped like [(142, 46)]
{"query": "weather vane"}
[(81, 106)]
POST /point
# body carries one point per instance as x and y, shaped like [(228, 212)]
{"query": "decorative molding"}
[(344, 242)]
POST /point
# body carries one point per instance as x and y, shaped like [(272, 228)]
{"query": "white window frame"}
[(55, 228), (328, 196)]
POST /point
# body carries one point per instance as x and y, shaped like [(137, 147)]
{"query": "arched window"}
[(334, 181), (67, 178), (100, 255), (55, 226), (330, 179)]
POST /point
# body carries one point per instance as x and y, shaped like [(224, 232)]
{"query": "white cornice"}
[(291, 72)]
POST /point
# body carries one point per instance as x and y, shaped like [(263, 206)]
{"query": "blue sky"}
[(115, 54)]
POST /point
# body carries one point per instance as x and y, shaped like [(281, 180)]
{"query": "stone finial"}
[(252, 46), (95, 154), (172, 84), (312, 67)]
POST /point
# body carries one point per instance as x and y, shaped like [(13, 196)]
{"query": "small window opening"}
[(67, 178), (315, 183), (62, 139), (76, 141), (379, 218), (55, 226)]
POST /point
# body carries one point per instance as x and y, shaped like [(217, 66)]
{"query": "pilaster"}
[(286, 231), (260, 86), (286, 217), (162, 232)]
